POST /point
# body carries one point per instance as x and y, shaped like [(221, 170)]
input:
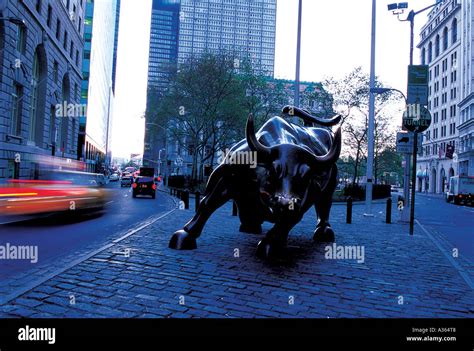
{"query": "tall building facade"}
[(116, 37), (182, 29), (443, 49), (40, 64), (465, 150), (163, 56), (245, 27), (96, 91)]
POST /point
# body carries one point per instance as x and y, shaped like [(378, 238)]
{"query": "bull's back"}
[(278, 131)]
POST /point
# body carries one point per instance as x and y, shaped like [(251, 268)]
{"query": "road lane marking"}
[(18, 292), (462, 272)]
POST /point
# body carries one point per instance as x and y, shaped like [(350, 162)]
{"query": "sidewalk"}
[(401, 276)]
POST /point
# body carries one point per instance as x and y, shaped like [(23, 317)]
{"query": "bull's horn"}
[(334, 152), (252, 140), (308, 117)]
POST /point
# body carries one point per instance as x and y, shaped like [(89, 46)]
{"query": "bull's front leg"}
[(275, 240), (217, 194), (324, 232)]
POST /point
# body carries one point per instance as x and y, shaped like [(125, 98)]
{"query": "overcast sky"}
[(335, 39)]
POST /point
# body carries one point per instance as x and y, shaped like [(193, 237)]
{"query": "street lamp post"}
[(371, 146), (298, 59)]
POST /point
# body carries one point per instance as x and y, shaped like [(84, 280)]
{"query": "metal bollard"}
[(388, 218), (349, 210), (197, 200), (234, 208), (185, 199)]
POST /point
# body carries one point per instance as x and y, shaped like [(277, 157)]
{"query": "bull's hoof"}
[(182, 240), (267, 249), (324, 234), (251, 229)]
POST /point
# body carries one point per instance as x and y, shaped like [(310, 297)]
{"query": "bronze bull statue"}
[(294, 169)]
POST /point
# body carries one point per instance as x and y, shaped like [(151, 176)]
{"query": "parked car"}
[(100, 179), (126, 180), (144, 183), (114, 177)]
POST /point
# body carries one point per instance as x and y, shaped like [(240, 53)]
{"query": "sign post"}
[(416, 120)]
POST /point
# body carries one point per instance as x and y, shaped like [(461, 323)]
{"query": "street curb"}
[(462, 272), (16, 293)]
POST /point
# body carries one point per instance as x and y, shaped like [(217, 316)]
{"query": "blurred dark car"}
[(144, 183)]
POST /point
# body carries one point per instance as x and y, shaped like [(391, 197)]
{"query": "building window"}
[(430, 52), (445, 38), (437, 46), (35, 81), (38, 6), (55, 71), (50, 16), (454, 31), (52, 126), (16, 109), (58, 29), (21, 39), (65, 40), (423, 54)]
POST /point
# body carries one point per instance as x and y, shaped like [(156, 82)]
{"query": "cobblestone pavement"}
[(401, 276)]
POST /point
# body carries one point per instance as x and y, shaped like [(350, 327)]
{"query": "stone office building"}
[(442, 47), (41, 72)]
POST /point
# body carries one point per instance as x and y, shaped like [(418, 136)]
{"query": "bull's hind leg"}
[(217, 194), (324, 232)]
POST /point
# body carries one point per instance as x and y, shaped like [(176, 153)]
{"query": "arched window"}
[(454, 31), (38, 96), (430, 52), (423, 56), (445, 38), (437, 46)]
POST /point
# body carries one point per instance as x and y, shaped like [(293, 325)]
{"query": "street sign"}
[(417, 119), (405, 142), (417, 92)]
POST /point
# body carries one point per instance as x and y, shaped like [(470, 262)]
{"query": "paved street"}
[(398, 275), (62, 240), (453, 223)]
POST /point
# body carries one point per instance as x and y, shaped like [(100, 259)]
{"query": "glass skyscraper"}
[(96, 92), (245, 27), (164, 37)]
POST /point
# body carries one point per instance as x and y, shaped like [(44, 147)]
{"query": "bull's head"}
[(291, 172)]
